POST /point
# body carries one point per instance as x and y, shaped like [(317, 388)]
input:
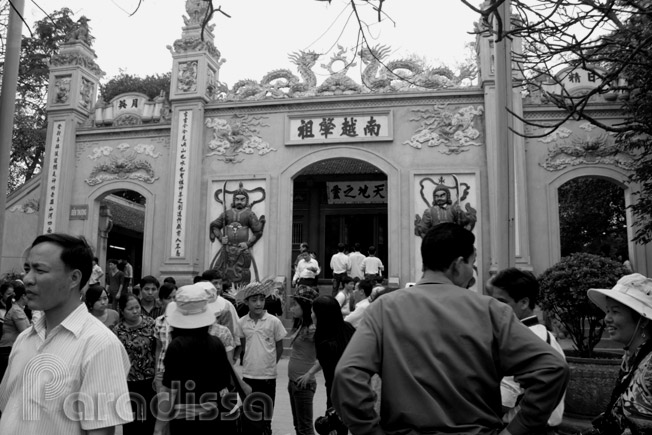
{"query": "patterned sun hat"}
[(306, 293), (255, 288)]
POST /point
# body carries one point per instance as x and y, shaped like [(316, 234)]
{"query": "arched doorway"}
[(121, 228), (592, 217), (340, 200)]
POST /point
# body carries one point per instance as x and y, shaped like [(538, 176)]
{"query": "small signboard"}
[(79, 212), (357, 192), (327, 128)]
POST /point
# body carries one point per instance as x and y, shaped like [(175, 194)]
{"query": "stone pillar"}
[(496, 166), (195, 72), (72, 93)]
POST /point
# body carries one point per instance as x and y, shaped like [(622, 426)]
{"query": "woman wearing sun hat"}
[(197, 370), (628, 320)]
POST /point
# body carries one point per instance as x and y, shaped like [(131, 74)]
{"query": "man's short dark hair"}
[(96, 260), (356, 247), (210, 275), (113, 261), (372, 249), (166, 290), (76, 253), (170, 280), (444, 243), (340, 247), (366, 286), (346, 279), (196, 279), (518, 284), (149, 279)]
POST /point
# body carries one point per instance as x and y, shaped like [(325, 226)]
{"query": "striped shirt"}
[(80, 361)]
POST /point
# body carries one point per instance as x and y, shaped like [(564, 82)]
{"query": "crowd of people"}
[(202, 358)]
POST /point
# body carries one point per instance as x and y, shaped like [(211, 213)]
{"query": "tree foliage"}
[(592, 217), (563, 294), (151, 85)]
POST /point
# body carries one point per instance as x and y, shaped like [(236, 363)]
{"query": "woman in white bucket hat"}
[(198, 372), (628, 320)]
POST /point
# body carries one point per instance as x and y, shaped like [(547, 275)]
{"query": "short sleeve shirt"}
[(139, 343), (84, 358), (260, 345)]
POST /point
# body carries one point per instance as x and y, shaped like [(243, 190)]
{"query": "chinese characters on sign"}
[(79, 212), (336, 128), (58, 133), (357, 192), (181, 185), (581, 78), (128, 104)]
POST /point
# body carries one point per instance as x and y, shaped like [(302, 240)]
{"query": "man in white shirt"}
[(365, 286), (68, 357), (341, 265), (519, 289), (356, 258), (372, 266)]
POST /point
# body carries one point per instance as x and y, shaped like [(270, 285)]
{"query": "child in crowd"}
[(263, 336)]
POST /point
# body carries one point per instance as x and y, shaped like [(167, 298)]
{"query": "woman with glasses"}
[(97, 301)]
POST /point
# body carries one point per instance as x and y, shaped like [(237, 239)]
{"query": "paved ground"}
[(282, 422)]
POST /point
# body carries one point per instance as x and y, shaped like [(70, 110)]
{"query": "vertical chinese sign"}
[(52, 191), (181, 186)]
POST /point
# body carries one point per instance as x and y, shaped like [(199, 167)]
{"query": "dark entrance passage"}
[(322, 221)]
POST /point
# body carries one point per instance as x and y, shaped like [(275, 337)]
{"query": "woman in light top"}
[(97, 301)]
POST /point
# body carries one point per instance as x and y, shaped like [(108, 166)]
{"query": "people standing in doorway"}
[(263, 336), (116, 283), (372, 267), (129, 274), (356, 258), (341, 265), (149, 301), (520, 289), (307, 271), (304, 253), (96, 274)]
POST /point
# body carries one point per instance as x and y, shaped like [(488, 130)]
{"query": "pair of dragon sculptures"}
[(377, 76)]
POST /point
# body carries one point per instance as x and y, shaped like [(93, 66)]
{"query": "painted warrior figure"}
[(238, 229), (444, 210)]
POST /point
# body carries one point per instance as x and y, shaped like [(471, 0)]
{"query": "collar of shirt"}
[(263, 317), (73, 323), (432, 277), (530, 321)]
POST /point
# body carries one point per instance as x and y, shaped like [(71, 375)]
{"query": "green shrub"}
[(563, 295)]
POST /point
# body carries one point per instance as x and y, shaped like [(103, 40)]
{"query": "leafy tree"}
[(592, 217), (150, 85), (30, 123)]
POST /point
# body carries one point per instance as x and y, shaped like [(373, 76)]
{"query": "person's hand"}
[(243, 245), (302, 381)]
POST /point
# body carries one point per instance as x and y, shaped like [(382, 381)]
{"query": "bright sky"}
[(261, 33)]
